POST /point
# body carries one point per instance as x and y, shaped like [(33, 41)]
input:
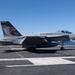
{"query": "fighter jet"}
[(14, 37)]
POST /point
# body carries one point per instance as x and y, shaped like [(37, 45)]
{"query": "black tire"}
[(62, 48), (23, 46), (31, 49)]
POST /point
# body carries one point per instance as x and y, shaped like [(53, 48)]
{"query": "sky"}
[(38, 16)]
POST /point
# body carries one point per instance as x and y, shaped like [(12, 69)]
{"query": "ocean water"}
[(69, 43)]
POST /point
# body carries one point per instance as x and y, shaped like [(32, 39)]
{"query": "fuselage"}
[(62, 32), (45, 43)]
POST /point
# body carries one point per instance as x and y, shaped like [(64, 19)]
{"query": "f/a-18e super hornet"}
[(31, 42)]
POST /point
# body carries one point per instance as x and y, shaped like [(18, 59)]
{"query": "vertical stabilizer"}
[(8, 29)]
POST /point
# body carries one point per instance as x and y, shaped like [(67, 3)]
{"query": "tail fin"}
[(8, 29)]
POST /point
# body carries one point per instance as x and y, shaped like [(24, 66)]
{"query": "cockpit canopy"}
[(65, 31)]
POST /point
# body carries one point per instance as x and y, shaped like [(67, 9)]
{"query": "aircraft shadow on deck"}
[(48, 50), (39, 51), (12, 51)]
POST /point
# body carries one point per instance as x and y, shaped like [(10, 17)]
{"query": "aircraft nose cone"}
[(73, 37)]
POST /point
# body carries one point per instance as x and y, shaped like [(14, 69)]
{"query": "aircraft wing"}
[(63, 38), (33, 40)]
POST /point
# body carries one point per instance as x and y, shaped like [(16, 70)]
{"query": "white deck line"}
[(13, 59), (40, 61)]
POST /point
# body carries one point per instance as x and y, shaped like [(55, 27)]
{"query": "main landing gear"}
[(31, 49)]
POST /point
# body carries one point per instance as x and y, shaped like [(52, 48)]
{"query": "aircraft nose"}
[(74, 37)]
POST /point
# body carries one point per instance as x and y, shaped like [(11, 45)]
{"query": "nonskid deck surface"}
[(42, 61)]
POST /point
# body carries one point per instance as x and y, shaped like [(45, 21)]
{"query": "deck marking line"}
[(42, 61)]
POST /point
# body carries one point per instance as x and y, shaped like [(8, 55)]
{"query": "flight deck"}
[(45, 61)]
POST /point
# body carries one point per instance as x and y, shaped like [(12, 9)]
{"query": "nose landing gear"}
[(62, 46)]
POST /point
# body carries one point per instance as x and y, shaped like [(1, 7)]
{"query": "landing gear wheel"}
[(23, 46), (62, 48), (31, 48)]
